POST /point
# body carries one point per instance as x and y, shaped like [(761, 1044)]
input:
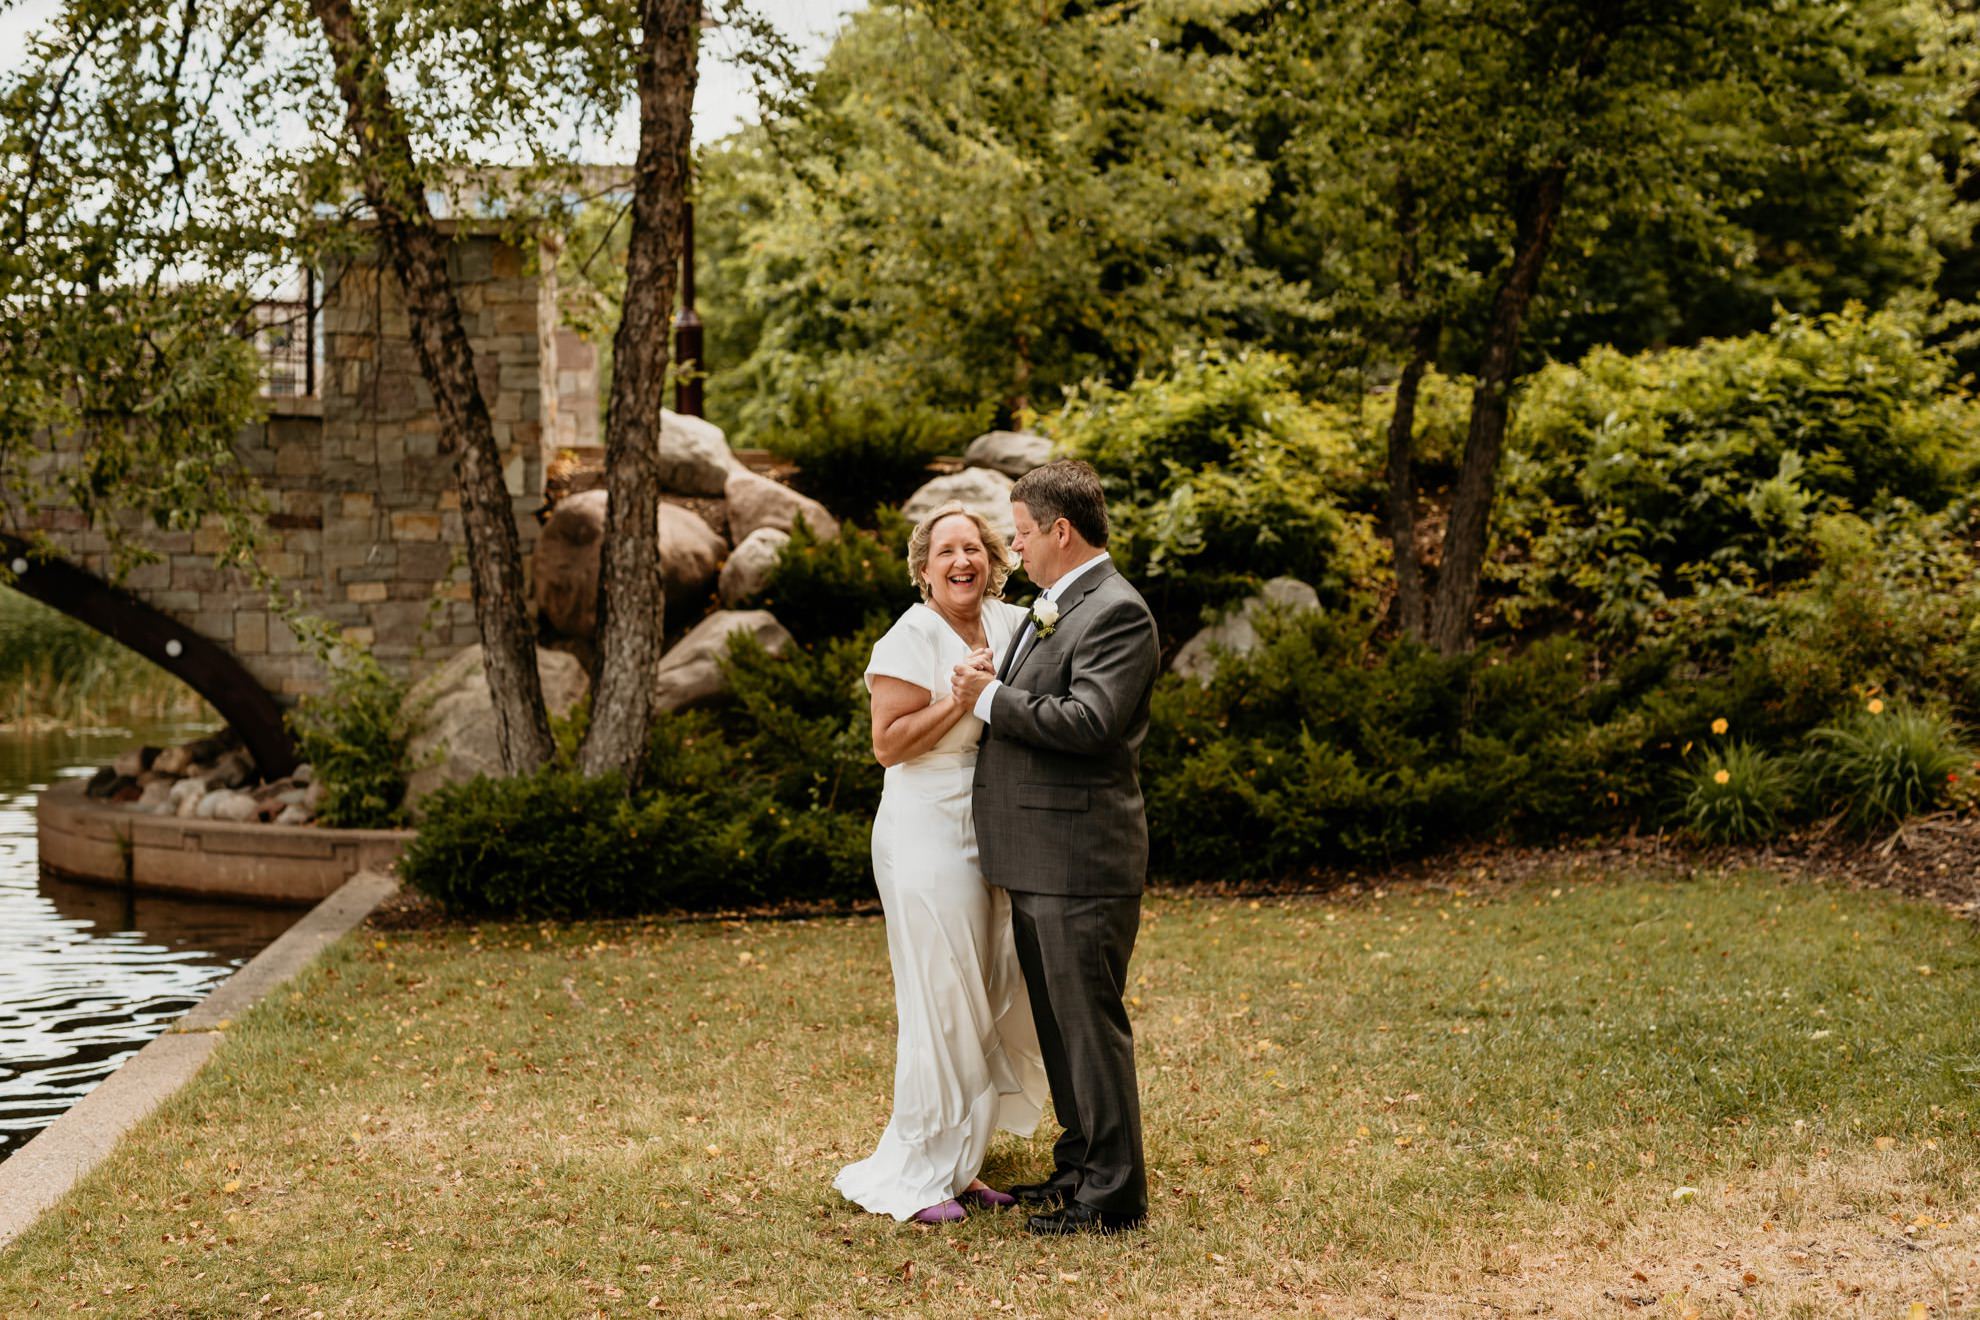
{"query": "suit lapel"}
[(1011, 652), (1081, 587)]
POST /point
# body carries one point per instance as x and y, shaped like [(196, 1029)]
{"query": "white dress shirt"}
[(1053, 592)]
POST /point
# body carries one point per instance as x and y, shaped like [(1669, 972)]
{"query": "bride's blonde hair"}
[(993, 542)]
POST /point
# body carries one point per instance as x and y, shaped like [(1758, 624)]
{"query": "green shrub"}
[(355, 737), (1633, 481), (557, 844), (1883, 765), (1737, 794), (824, 589), (1218, 477), (1325, 745), (800, 724), (858, 448)]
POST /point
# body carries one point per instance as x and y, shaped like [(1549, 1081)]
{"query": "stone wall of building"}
[(364, 517)]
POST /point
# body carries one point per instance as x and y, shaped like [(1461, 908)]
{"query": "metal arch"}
[(202, 665)]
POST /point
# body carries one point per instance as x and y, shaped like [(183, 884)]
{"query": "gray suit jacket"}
[(1058, 787)]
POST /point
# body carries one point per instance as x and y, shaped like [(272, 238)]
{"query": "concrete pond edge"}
[(42, 1172), (80, 838)]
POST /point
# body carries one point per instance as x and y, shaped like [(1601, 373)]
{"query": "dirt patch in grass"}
[(1870, 1233)]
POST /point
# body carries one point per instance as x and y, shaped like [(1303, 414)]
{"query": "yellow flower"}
[(1876, 705), (1722, 777), (1719, 725)]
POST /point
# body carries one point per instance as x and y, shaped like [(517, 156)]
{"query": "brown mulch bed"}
[(1936, 858)]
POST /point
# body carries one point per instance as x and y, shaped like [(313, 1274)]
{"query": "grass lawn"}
[(1423, 1103)]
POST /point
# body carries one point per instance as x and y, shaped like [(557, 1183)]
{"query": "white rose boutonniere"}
[(1045, 613)]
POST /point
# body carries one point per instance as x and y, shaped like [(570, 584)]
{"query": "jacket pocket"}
[(1053, 797)]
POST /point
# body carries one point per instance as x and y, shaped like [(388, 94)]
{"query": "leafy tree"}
[(1489, 141), (165, 159), (988, 202)]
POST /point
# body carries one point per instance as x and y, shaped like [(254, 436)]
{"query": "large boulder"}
[(156, 796), (172, 761), (183, 799), (1012, 453), (691, 673), (750, 565), (691, 555), (1237, 632), (234, 805), (566, 565), (694, 455), (452, 718), (756, 502), (983, 489)]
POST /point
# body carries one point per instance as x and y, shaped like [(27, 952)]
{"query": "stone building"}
[(363, 519)]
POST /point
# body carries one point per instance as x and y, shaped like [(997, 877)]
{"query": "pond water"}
[(89, 974)]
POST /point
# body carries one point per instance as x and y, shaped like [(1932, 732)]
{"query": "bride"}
[(967, 1061)]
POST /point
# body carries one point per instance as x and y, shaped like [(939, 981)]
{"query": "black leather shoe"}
[(1078, 1217), (1047, 1194)]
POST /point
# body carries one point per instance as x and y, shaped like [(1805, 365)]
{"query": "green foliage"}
[(1218, 477), (1891, 608), (1637, 481), (800, 728), (1737, 794), (1715, 166), (1323, 745), (858, 450), (987, 203), (55, 670), (1883, 765), (557, 844), (768, 799), (355, 737), (824, 589)]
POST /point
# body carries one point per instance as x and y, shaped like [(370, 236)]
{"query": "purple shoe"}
[(987, 1198), (946, 1213)]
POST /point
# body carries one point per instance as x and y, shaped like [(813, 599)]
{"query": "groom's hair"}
[(1069, 489)]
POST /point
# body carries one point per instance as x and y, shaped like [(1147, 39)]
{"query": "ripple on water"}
[(89, 974)]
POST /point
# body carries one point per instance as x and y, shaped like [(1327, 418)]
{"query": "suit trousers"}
[(1074, 951)]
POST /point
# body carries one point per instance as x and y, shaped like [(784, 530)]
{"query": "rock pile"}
[(714, 560), (206, 779)]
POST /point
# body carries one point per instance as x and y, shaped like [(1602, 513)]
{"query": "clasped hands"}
[(972, 676)]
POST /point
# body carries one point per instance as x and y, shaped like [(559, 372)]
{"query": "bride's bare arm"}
[(905, 724)]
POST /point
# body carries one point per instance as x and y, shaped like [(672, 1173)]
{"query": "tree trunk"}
[(1539, 208), (1410, 600), (418, 253), (631, 607)]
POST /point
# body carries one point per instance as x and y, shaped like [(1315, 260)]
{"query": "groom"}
[(1059, 824)]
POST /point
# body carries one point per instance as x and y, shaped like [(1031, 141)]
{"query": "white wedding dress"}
[(967, 1061)]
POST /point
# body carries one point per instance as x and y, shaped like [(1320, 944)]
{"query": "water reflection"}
[(89, 974)]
